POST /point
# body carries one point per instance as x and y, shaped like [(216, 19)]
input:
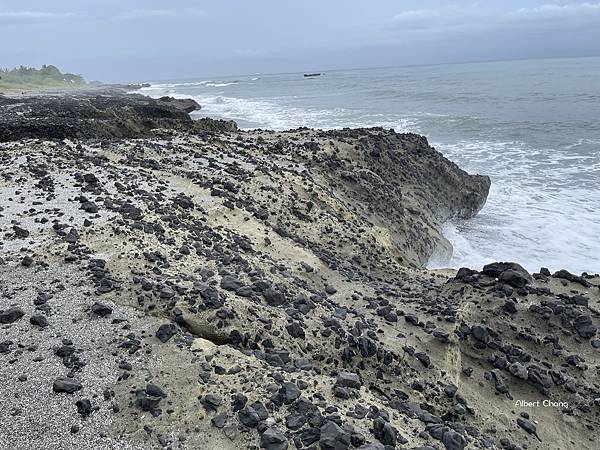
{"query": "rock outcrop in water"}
[(203, 287)]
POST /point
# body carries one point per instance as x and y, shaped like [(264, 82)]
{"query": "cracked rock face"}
[(210, 288)]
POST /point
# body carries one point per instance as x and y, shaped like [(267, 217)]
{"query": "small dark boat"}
[(312, 75)]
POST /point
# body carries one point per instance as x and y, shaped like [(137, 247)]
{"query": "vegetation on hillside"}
[(47, 76)]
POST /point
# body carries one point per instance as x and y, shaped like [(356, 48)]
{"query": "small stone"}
[(39, 320), (249, 417), (66, 385), (453, 440), (27, 261), (84, 407), (348, 379), (273, 439), (211, 402), (584, 326), (11, 315), (21, 233), (154, 391), (101, 310), (219, 420), (166, 332), (527, 425)]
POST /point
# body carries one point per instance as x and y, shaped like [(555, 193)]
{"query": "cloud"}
[(552, 10), (18, 17), (169, 14), (481, 18)]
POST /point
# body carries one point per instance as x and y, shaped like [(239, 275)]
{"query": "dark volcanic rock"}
[(348, 379), (84, 407), (67, 385), (509, 272), (101, 310), (21, 233), (333, 437), (273, 439), (39, 320), (11, 315), (90, 115), (566, 275), (584, 326), (166, 332)]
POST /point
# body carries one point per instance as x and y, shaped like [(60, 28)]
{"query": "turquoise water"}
[(532, 126)]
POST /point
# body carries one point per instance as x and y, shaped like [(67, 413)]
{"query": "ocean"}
[(533, 126)]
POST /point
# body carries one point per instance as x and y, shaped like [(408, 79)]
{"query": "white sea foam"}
[(269, 114), (159, 86), (533, 215), (543, 203), (220, 84)]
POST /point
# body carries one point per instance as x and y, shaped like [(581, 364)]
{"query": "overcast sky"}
[(136, 40)]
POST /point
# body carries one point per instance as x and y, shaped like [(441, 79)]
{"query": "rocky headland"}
[(170, 283)]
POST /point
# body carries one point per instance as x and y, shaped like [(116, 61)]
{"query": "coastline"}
[(270, 285)]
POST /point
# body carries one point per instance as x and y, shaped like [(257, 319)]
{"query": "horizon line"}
[(394, 66)]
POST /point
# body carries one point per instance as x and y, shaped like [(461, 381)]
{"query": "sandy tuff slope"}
[(206, 288)]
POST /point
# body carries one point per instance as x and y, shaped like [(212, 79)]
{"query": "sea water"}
[(533, 126)]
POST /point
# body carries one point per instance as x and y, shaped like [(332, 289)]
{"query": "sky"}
[(143, 40)]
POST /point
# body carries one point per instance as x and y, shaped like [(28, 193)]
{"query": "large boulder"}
[(509, 272)]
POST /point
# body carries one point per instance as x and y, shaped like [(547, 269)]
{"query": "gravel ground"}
[(33, 416)]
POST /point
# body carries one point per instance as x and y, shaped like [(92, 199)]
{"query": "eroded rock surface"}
[(210, 288)]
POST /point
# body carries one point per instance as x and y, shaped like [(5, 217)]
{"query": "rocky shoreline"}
[(170, 283)]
